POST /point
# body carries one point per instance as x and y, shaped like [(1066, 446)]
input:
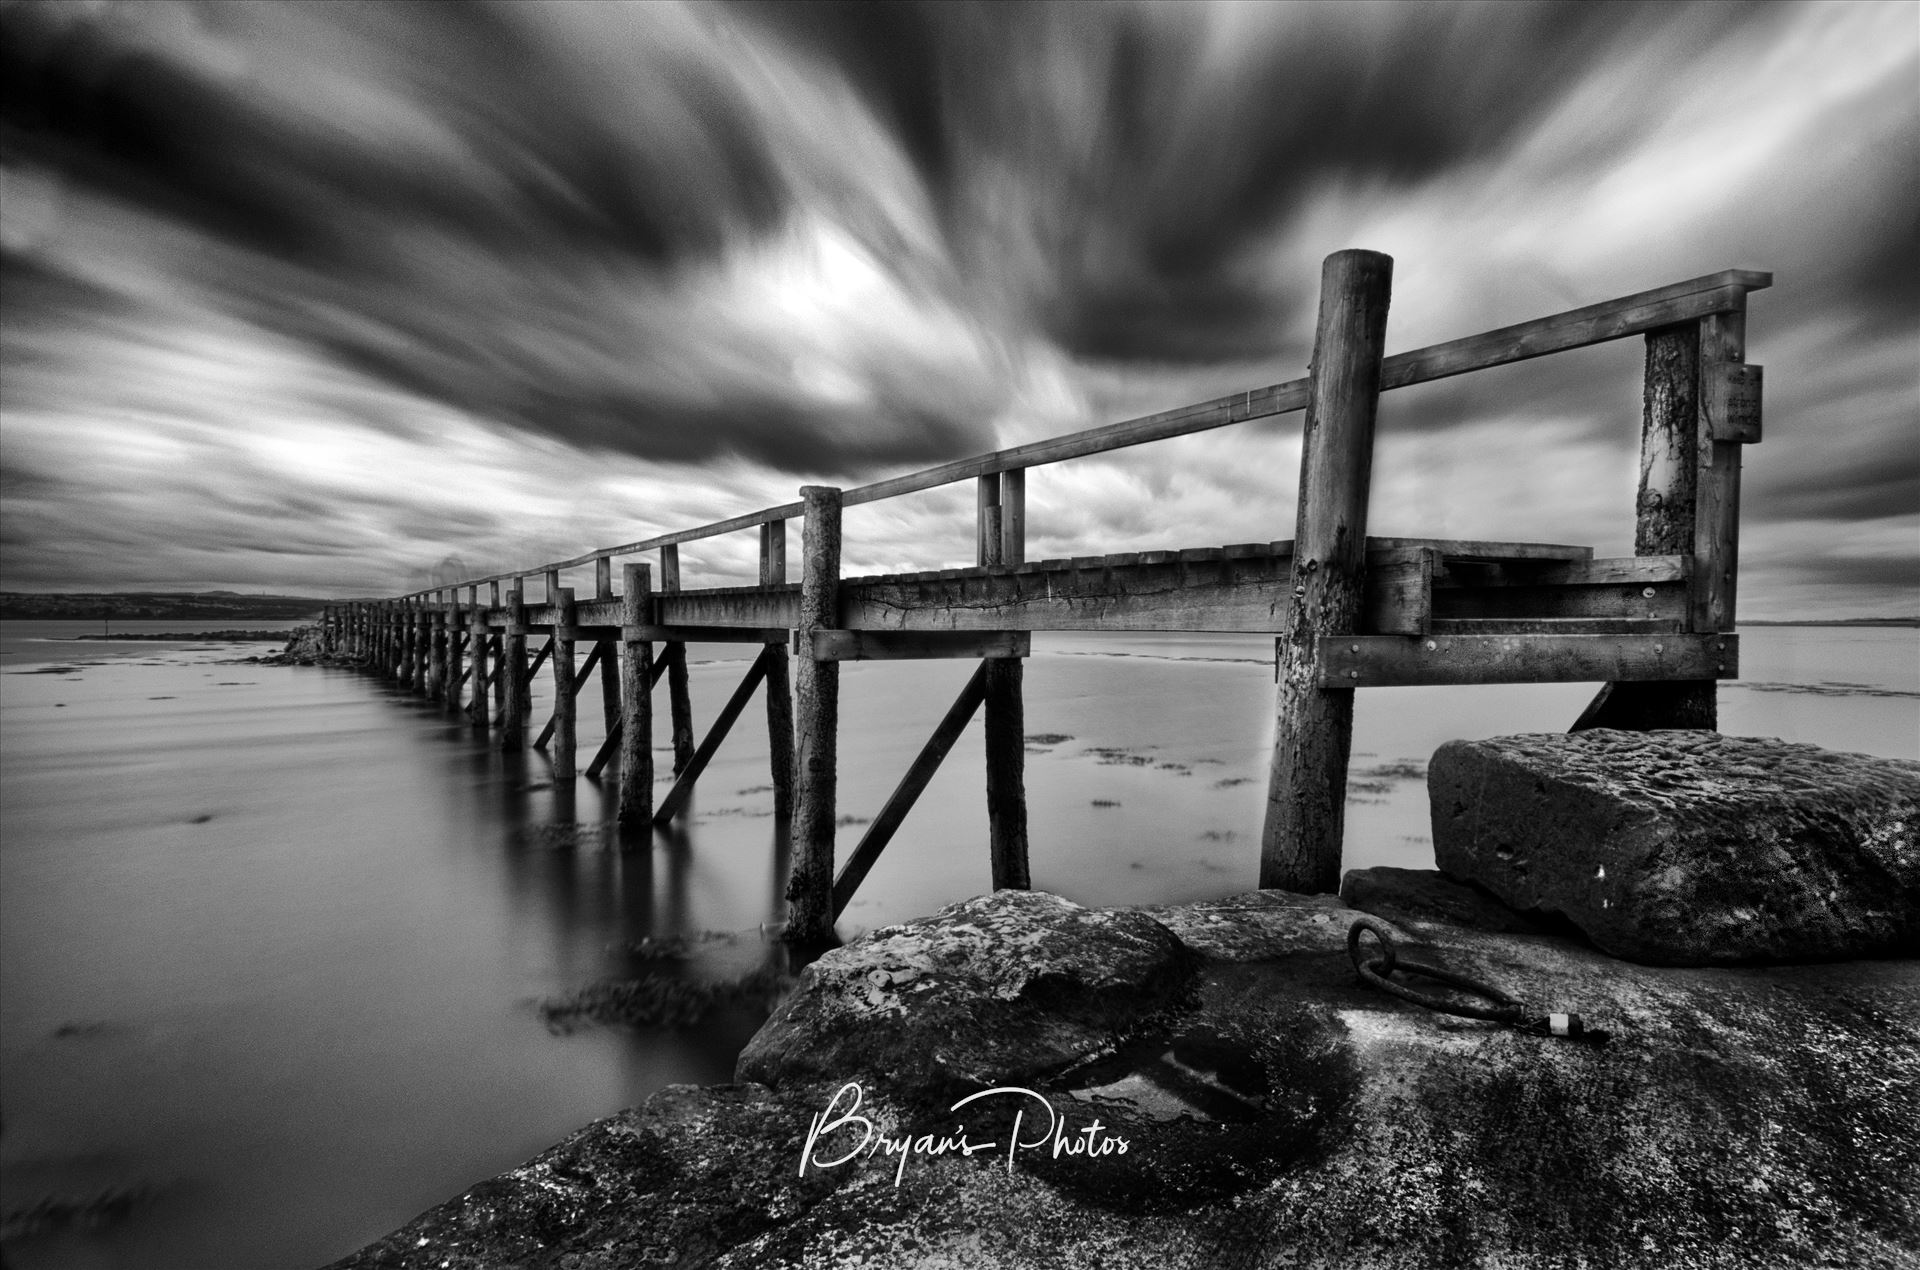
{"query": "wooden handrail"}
[(1556, 333)]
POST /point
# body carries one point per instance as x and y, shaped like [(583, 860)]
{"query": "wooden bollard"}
[(674, 652), (1307, 784), (1003, 692), (513, 672), (565, 737), (773, 572), (810, 882), (636, 699)]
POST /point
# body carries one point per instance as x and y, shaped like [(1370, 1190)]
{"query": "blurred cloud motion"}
[(333, 297)]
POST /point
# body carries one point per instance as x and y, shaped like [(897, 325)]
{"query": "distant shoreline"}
[(264, 637)]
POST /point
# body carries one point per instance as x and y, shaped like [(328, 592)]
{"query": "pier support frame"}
[(674, 653), (773, 572), (1307, 783), (477, 711), (565, 731), (817, 723)]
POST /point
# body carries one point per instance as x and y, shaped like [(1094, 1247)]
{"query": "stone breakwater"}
[(1276, 1110)]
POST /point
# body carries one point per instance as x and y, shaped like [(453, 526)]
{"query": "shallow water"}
[(274, 938)]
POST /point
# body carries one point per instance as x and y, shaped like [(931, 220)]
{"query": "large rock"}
[(989, 991), (1688, 848), (1422, 897), (1278, 1113)]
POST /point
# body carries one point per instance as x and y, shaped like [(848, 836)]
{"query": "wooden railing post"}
[(773, 572), (810, 884), (1003, 696), (636, 700), (1665, 515), (513, 671), (565, 732), (1716, 521), (674, 653), (1307, 785)]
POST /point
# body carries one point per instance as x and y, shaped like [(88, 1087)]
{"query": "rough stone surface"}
[(1278, 1113), (1686, 847), (1423, 897), (1008, 986)]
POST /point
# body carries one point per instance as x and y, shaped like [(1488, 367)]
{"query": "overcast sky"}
[(320, 298)]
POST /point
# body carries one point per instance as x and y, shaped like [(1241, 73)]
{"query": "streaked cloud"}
[(332, 296)]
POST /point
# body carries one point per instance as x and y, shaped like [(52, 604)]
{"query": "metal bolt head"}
[(1431, 646), (1353, 674), (1648, 593), (1659, 648), (1353, 648)]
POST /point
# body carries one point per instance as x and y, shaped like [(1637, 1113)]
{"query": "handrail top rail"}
[(1559, 332)]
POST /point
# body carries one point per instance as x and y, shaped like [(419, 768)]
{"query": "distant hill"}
[(226, 606)]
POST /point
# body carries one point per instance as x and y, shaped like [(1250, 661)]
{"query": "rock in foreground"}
[(1276, 1112), (1688, 848)]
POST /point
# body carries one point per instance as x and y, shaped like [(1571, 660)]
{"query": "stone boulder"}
[(989, 991), (1277, 1113), (1688, 848)]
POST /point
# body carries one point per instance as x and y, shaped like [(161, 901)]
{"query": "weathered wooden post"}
[(456, 654), (609, 651), (773, 572), (422, 642), (404, 619), (1000, 505), (810, 884), (477, 698), (1716, 524), (636, 699), (564, 728), (1665, 519), (513, 670), (1307, 784), (674, 653), (437, 632), (499, 656)]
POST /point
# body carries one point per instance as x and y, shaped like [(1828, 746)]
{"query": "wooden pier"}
[(1346, 611)]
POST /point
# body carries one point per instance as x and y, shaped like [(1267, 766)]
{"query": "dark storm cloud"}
[(1157, 145), (496, 232)]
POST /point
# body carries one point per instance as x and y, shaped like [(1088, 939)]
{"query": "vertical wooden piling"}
[(456, 653), (674, 653), (1005, 708), (437, 634), (1716, 523), (500, 656), (477, 699), (810, 884), (564, 731), (773, 572), (513, 671), (1665, 514), (1307, 784), (636, 700), (609, 653), (422, 643)]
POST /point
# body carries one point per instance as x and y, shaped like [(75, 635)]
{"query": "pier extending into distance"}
[(1346, 611)]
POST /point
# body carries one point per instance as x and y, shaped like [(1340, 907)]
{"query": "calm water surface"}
[(274, 938)]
